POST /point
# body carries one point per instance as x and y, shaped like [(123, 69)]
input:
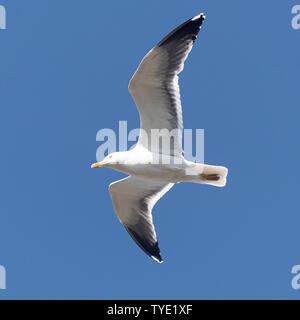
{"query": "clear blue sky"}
[(65, 67)]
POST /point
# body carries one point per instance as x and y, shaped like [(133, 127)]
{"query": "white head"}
[(112, 160)]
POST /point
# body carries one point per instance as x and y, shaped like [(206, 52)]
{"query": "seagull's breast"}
[(150, 165)]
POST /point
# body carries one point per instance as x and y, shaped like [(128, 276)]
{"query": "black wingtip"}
[(200, 17), (189, 28), (151, 250), (157, 258)]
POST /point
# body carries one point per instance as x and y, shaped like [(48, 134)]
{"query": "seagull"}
[(156, 162)]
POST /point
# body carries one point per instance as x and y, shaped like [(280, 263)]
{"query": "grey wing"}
[(155, 90), (133, 199)]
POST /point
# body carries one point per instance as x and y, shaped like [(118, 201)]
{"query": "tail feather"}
[(214, 175), (207, 174)]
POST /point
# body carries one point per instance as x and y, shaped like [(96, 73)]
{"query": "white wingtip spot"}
[(199, 16), (161, 261)]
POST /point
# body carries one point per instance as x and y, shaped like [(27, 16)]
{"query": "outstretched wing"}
[(133, 199), (155, 90)]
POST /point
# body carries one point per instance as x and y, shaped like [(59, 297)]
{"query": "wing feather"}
[(133, 199), (155, 89)]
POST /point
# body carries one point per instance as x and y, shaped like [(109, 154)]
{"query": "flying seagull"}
[(156, 163)]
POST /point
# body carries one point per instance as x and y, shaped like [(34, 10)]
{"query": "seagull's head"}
[(112, 160)]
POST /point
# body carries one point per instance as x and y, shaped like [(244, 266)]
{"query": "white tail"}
[(206, 174)]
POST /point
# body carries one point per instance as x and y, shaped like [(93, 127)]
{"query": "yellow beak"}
[(96, 165)]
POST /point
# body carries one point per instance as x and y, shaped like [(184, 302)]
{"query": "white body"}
[(142, 163)]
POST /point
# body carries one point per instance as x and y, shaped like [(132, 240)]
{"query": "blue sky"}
[(65, 67)]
